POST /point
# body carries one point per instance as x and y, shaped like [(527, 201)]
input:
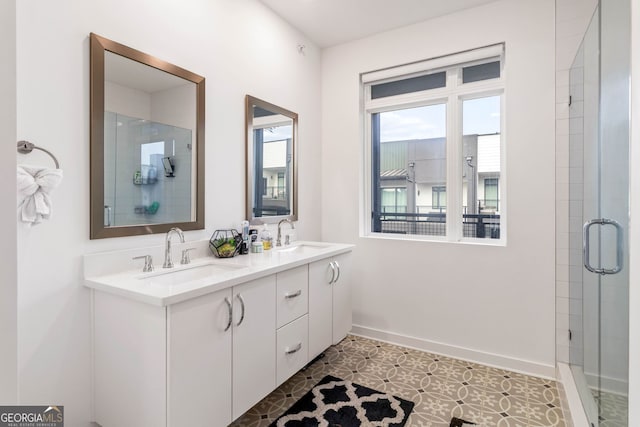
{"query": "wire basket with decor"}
[(225, 243)]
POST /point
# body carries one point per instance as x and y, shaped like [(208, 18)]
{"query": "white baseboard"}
[(572, 408), (494, 360)]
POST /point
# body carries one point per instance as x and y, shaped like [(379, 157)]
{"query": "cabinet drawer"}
[(292, 294), (292, 349)]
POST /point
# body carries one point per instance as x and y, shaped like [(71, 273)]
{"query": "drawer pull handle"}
[(295, 349), (293, 295), (338, 266)]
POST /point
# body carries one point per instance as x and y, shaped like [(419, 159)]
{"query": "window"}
[(394, 200), (434, 143), (439, 197), (491, 193)]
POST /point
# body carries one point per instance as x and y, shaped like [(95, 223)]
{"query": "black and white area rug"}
[(337, 403), (459, 422)]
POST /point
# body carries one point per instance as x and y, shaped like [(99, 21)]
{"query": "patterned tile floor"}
[(441, 387)]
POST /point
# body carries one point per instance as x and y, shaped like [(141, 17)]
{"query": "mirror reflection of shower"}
[(141, 185)]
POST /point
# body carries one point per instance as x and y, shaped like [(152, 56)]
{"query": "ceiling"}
[(332, 22)]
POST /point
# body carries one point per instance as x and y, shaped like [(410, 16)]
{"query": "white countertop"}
[(116, 273)]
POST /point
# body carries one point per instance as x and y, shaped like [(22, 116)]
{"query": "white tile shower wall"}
[(572, 19), (576, 172)]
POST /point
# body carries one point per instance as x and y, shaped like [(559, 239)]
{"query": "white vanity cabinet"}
[(200, 362), (168, 353), (330, 316)]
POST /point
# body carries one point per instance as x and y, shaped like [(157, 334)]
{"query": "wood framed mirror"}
[(147, 143), (271, 147)]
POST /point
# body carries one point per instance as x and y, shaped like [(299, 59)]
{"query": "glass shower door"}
[(599, 215)]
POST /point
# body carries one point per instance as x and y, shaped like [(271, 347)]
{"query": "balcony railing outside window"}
[(276, 192), (431, 221)]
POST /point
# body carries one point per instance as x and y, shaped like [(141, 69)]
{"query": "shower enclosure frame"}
[(599, 215)]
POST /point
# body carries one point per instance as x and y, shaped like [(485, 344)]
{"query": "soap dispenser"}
[(266, 238)]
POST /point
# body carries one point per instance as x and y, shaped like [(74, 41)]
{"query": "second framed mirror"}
[(271, 181)]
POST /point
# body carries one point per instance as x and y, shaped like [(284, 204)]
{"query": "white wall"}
[(128, 101), (634, 228), (488, 303), (8, 268), (241, 48)]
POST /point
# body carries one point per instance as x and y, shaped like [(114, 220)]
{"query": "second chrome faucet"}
[(168, 263), (279, 239)]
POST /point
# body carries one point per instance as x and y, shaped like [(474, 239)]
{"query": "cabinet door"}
[(130, 341), (199, 361), (342, 311), (320, 307), (254, 342)]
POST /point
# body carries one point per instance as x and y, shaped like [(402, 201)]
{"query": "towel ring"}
[(25, 147)]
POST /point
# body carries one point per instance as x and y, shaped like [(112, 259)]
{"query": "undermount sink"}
[(168, 277), (302, 248)]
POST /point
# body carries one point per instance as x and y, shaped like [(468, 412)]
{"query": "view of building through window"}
[(481, 167), (276, 142), (413, 164)]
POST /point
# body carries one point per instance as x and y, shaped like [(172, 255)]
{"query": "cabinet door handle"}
[(337, 265), (333, 272), (242, 307), (291, 350), (293, 295), (230, 310)]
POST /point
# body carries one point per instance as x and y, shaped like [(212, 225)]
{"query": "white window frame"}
[(452, 95)]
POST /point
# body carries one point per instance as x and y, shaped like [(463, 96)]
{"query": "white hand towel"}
[(34, 185)]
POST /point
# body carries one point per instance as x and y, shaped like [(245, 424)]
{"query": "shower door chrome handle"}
[(586, 246)]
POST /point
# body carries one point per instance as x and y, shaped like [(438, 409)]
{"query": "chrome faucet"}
[(168, 263), (279, 239)]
